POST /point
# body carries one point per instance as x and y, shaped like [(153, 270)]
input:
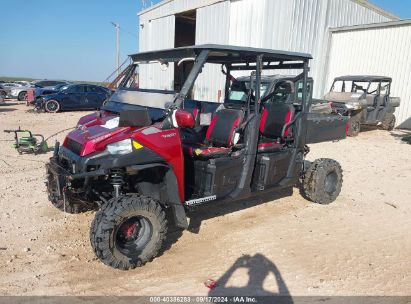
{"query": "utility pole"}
[(117, 26)]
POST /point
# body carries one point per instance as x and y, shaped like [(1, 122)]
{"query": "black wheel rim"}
[(52, 106), (133, 235), (23, 96), (331, 182)]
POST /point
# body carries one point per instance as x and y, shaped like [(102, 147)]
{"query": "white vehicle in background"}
[(23, 83), (19, 92), (6, 88)]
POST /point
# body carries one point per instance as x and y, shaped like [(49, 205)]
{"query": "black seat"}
[(220, 137), (275, 127)]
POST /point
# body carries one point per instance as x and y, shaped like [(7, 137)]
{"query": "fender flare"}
[(173, 201)]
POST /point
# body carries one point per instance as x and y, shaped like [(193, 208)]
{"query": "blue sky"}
[(74, 40)]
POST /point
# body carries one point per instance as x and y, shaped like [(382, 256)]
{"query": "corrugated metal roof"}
[(200, 3), (371, 25), (377, 9)]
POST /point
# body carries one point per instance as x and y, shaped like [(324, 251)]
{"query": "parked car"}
[(6, 88), (39, 87), (38, 91), (23, 83), (365, 99), (74, 97), (19, 92), (145, 152)]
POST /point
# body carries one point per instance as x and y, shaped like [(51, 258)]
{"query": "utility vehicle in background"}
[(150, 151), (366, 100)]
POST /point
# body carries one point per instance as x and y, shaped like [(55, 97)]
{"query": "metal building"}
[(294, 25), (376, 49)]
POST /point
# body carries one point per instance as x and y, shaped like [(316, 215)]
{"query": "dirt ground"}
[(360, 245)]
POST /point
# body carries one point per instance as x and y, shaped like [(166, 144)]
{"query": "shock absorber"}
[(117, 180)]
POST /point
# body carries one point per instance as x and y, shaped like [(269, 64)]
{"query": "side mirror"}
[(136, 118), (183, 119)]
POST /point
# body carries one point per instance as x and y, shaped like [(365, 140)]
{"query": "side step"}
[(199, 201)]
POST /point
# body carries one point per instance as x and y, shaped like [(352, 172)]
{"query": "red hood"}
[(95, 132)]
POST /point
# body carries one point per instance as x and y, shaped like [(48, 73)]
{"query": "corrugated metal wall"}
[(295, 25), (377, 51), (212, 27), (156, 35), (172, 7)]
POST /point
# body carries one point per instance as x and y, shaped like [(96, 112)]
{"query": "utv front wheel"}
[(389, 122), (323, 181), (354, 125), (128, 231)]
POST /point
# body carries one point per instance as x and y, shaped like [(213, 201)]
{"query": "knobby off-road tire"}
[(354, 125), (128, 232), (388, 123), (323, 181)]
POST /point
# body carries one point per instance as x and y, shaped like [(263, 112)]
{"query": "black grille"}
[(74, 146)]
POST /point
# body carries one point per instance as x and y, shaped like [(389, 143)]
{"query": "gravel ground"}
[(360, 245)]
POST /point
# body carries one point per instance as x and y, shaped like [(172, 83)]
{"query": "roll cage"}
[(365, 79), (231, 59), (255, 60)]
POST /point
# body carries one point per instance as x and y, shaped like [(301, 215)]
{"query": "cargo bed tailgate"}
[(325, 127)]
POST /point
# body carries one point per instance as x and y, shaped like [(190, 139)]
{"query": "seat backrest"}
[(194, 107), (223, 126), (382, 100), (275, 119)]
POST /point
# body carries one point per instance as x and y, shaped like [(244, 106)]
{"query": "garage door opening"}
[(185, 35)]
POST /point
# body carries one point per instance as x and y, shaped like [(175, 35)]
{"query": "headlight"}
[(120, 147)]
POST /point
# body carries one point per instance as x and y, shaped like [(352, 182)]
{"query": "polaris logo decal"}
[(199, 201), (169, 135)]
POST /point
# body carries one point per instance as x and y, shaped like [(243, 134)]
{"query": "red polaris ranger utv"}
[(148, 151)]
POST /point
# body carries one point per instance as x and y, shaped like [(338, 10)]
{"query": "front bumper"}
[(61, 174), (69, 171), (57, 180)]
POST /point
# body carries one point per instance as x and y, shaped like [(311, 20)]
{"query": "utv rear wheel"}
[(354, 125), (52, 106), (128, 232), (323, 181), (389, 122)]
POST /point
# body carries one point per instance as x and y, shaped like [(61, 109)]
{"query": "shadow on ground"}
[(216, 209), (262, 274), (7, 109), (404, 135)]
